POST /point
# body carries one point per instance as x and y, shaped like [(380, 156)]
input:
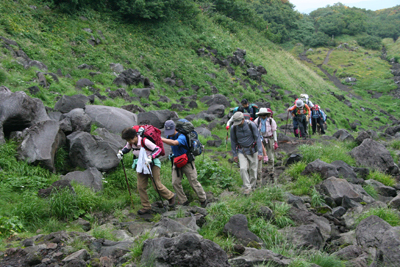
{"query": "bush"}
[(10, 226), (371, 42), (3, 76), (212, 173)]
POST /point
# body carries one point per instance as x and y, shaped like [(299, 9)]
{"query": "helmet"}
[(299, 103)]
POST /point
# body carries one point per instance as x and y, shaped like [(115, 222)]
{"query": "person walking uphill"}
[(301, 113), (135, 142), (247, 149), (267, 128), (183, 164)]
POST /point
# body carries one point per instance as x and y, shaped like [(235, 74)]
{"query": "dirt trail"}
[(327, 57)]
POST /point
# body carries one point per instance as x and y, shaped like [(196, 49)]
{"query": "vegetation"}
[(381, 177), (386, 214)]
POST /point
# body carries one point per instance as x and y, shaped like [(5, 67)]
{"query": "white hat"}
[(263, 111), (299, 103)]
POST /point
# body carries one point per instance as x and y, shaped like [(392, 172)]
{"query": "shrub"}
[(381, 177), (371, 42), (64, 204), (3, 76), (212, 173), (10, 226)]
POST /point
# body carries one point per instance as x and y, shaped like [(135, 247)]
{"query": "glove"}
[(120, 155), (227, 127), (148, 160), (265, 159), (276, 145)]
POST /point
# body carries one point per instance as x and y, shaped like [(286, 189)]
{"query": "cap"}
[(169, 127), (237, 118), (263, 111)]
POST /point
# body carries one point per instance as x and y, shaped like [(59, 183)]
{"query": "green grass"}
[(393, 48), (371, 191), (390, 216), (395, 144), (327, 153), (385, 179)]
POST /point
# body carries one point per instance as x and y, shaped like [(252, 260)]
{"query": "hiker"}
[(179, 146), (252, 109), (134, 143), (318, 117), (247, 149), (306, 100), (237, 109), (267, 127), (300, 113)]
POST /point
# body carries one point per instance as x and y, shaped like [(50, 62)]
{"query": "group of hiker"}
[(253, 142)]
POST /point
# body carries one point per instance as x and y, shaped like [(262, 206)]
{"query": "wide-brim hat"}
[(237, 118), (263, 111)]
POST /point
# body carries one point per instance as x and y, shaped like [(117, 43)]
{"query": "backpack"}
[(251, 129), (185, 127), (153, 134), (255, 109)]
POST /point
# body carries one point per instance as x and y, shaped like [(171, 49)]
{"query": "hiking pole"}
[(287, 122), (226, 140), (155, 185), (127, 184)]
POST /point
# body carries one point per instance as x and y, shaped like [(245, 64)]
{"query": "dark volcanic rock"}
[(237, 227), (318, 166), (91, 178), (68, 103)]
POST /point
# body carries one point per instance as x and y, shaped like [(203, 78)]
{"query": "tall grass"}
[(385, 179), (390, 216), (326, 153)]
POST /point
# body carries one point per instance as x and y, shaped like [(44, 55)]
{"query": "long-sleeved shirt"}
[(243, 138), (296, 111), (151, 149), (270, 126)]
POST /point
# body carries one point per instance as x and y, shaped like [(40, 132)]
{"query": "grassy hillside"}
[(157, 48)]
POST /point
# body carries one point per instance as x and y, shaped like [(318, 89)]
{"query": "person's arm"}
[(170, 142), (256, 136), (308, 109), (233, 142), (155, 150), (229, 123), (126, 148)]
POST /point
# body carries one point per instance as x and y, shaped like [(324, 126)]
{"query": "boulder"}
[(114, 140), (83, 83), (259, 257), (304, 217), (79, 120), (18, 111), (345, 171), (343, 135), (293, 158), (266, 213), (187, 250), (203, 131), (116, 67), (111, 118), (129, 77), (362, 136), (305, 236), (168, 227), (374, 155), (389, 248), (216, 100), (40, 144), (120, 92), (237, 227), (68, 103), (349, 252), (338, 212), (115, 250), (338, 188), (204, 116), (395, 203), (141, 92), (88, 151), (370, 231), (217, 110), (324, 169), (79, 255), (392, 130), (57, 185), (91, 178), (156, 118), (384, 190)]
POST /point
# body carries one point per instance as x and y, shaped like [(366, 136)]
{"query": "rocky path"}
[(327, 57)]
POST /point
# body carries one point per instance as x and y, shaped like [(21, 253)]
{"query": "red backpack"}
[(153, 134)]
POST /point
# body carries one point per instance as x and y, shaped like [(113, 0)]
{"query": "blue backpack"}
[(185, 127)]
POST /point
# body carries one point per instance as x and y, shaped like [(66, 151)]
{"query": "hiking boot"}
[(186, 203), (171, 201), (144, 211), (204, 203)]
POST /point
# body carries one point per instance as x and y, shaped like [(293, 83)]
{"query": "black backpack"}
[(185, 127)]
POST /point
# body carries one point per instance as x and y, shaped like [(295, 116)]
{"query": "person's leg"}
[(177, 184), (271, 155), (253, 164), (260, 165), (164, 192), (244, 168), (295, 127), (301, 120), (314, 125), (191, 175), (322, 125), (142, 180)]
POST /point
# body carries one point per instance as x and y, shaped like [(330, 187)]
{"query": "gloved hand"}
[(148, 160), (227, 127), (140, 131), (265, 159), (120, 155), (276, 145)]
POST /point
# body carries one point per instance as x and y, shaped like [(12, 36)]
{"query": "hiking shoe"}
[(186, 203), (144, 211), (204, 203), (171, 201)]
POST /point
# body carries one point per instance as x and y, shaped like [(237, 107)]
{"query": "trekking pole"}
[(226, 140), (127, 184), (287, 122), (155, 185)]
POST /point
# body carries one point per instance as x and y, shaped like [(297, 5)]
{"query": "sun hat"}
[(237, 118), (263, 111)]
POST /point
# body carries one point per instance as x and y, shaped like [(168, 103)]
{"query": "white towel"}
[(141, 164)]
